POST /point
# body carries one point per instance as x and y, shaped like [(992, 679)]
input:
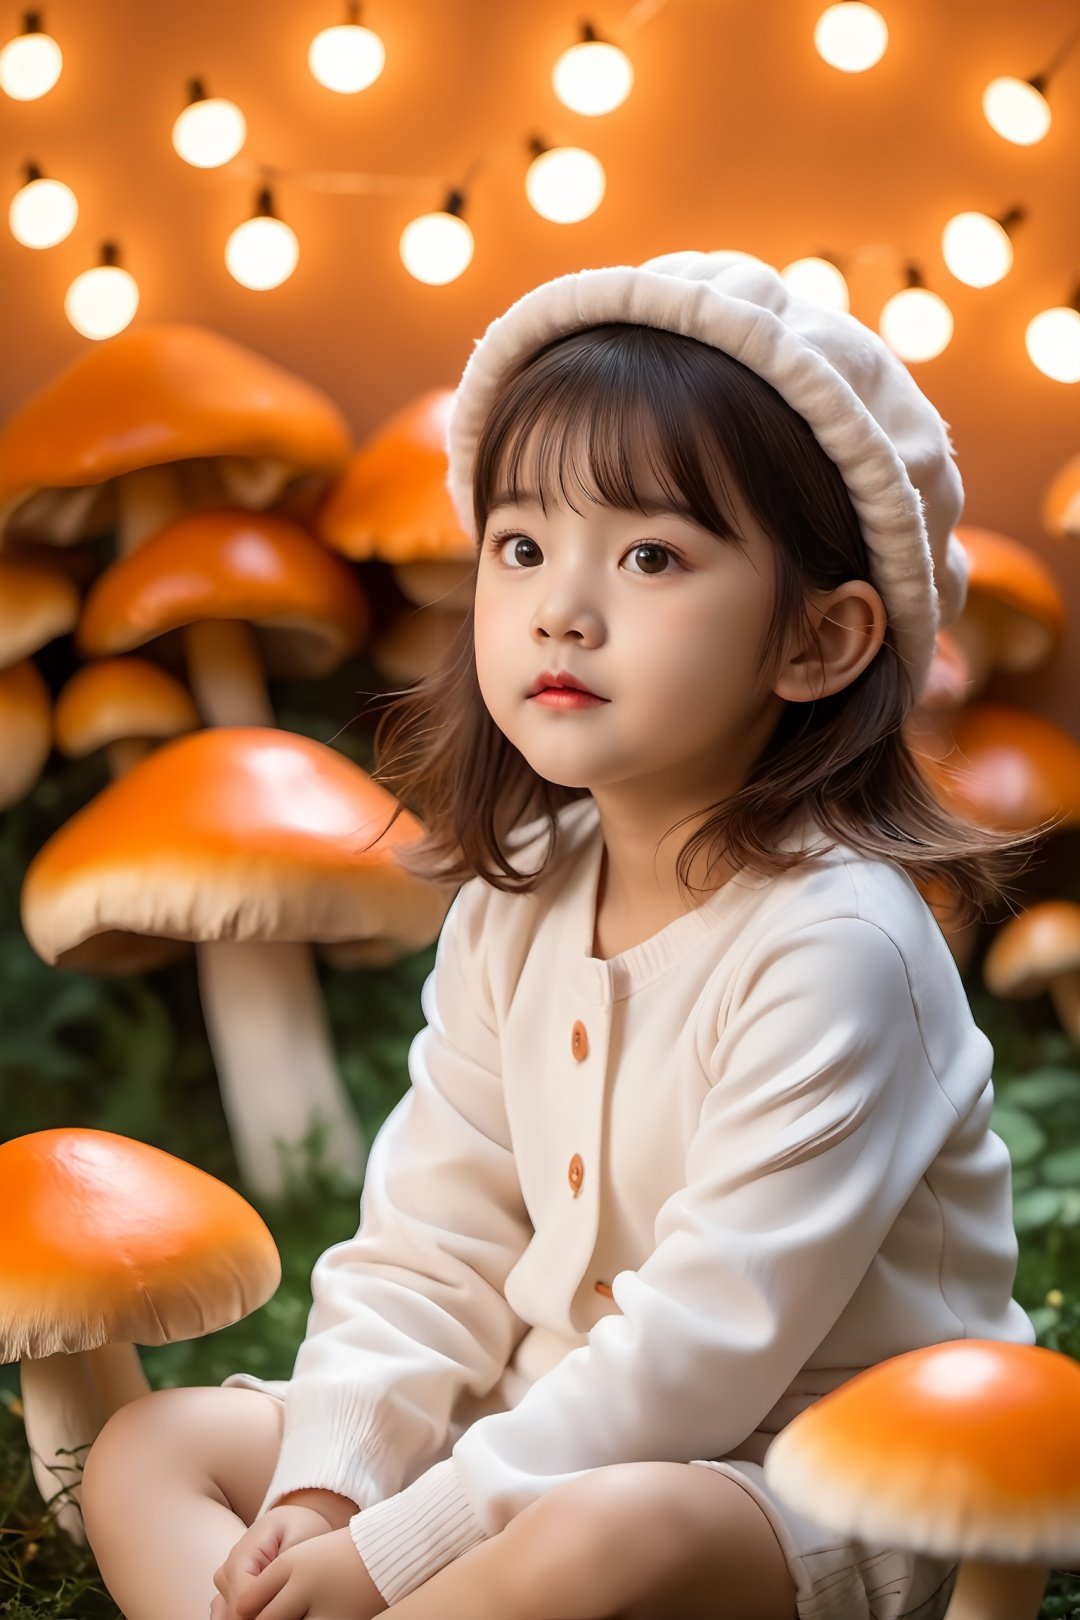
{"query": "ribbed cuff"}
[(408, 1537), (332, 1442)]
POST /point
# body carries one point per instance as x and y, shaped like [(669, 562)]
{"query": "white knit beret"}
[(859, 400)]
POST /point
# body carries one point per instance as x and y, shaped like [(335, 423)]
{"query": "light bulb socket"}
[(589, 36), (196, 91), (31, 23), (352, 13), (1074, 301), (835, 259), (1038, 82), (454, 204), (264, 204), (536, 146), (913, 276), (110, 255), (1011, 217), (32, 173)]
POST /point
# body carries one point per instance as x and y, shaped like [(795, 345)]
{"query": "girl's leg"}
[(170, 1485), (636, 1541)]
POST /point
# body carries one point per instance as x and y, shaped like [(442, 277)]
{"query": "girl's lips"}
[(566, 697)]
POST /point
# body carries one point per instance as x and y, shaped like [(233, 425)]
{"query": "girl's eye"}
[(522, 554)]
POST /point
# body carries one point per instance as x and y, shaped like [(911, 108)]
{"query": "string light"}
[(102, 301), (30, 63), (851, 37), (594, 76), (820, 281), (1052, 340), (978, 249), (915, 322), (347, 58), (43, 212), (437, 248), (263, 251), (210, 131), (1017, 110), (564, 183)]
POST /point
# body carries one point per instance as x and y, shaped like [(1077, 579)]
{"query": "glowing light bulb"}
[(916, 324), (1017, 110), (347, 58), (30, 63), (436, 248), (43, 212), (819, 282), (1052, 340), (851, 37), (592, 77), (565, 184), (210, 131), (102, 301), (263, 251), (976, 249)]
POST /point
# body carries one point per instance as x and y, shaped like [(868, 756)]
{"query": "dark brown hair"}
[(699, 416)]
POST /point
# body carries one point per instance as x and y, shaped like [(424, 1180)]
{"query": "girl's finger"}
[(257, 1593), (290, 1603)]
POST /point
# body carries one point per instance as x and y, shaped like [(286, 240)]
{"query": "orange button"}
[(605, 1289), (579, 1042), (575, 1173)]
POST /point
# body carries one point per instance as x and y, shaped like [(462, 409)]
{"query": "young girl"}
[(698, 1125)]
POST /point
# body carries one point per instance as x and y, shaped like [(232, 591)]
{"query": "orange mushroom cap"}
[(1032, 949), (391, 501), (232, 564), (26, 730), (1008, 768), (149, 396), (38, 602), (236, 833), (1012, 576), (1061, 503), (107, 1240), (968, 1448), (120, 698)]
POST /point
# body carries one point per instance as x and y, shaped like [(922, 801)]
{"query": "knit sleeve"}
[(410, 1313), (822, 1117)]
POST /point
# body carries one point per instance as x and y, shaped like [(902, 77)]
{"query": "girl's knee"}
[(131, 1437)]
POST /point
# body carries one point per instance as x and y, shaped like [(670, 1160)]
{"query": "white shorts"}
[(838, 1579)]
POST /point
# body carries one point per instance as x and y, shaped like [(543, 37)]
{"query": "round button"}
[(579, 1042), (575, 1173), (605, 1289)]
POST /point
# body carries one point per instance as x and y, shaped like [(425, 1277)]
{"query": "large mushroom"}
[(1036, 951), (157, 421), (391, 503), (255, 844), (1014, 615), (215, 575), (966, 1450), (106, 1243)]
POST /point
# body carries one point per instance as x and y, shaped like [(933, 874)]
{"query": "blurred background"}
[(331, 242)]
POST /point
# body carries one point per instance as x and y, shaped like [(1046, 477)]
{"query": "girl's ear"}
[(847, 626)]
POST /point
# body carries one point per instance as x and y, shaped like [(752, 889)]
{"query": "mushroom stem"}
[(975, 633), (226, 673), (997, 1591), (66, 1401), (1065, 994), (146, 500), (268, 1029), (124, 752)]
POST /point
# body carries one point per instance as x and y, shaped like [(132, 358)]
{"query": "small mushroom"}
[(154, 422), (26, 730), (1036, 951), (256, 844), (123, 705), (1008, 769), (106, 1243), (1014, 615), (391, 503), (219, 576), (38, 602), (966, 1450), (1061, 503)]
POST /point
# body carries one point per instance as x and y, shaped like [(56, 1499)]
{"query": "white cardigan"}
[(648, 1207)]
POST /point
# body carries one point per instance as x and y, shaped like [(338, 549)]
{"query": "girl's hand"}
[(282, 1527), (323, 1578)]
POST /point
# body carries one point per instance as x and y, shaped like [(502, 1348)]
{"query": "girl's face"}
[(656, 615)]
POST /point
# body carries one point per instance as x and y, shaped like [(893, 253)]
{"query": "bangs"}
[(607, 416)]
